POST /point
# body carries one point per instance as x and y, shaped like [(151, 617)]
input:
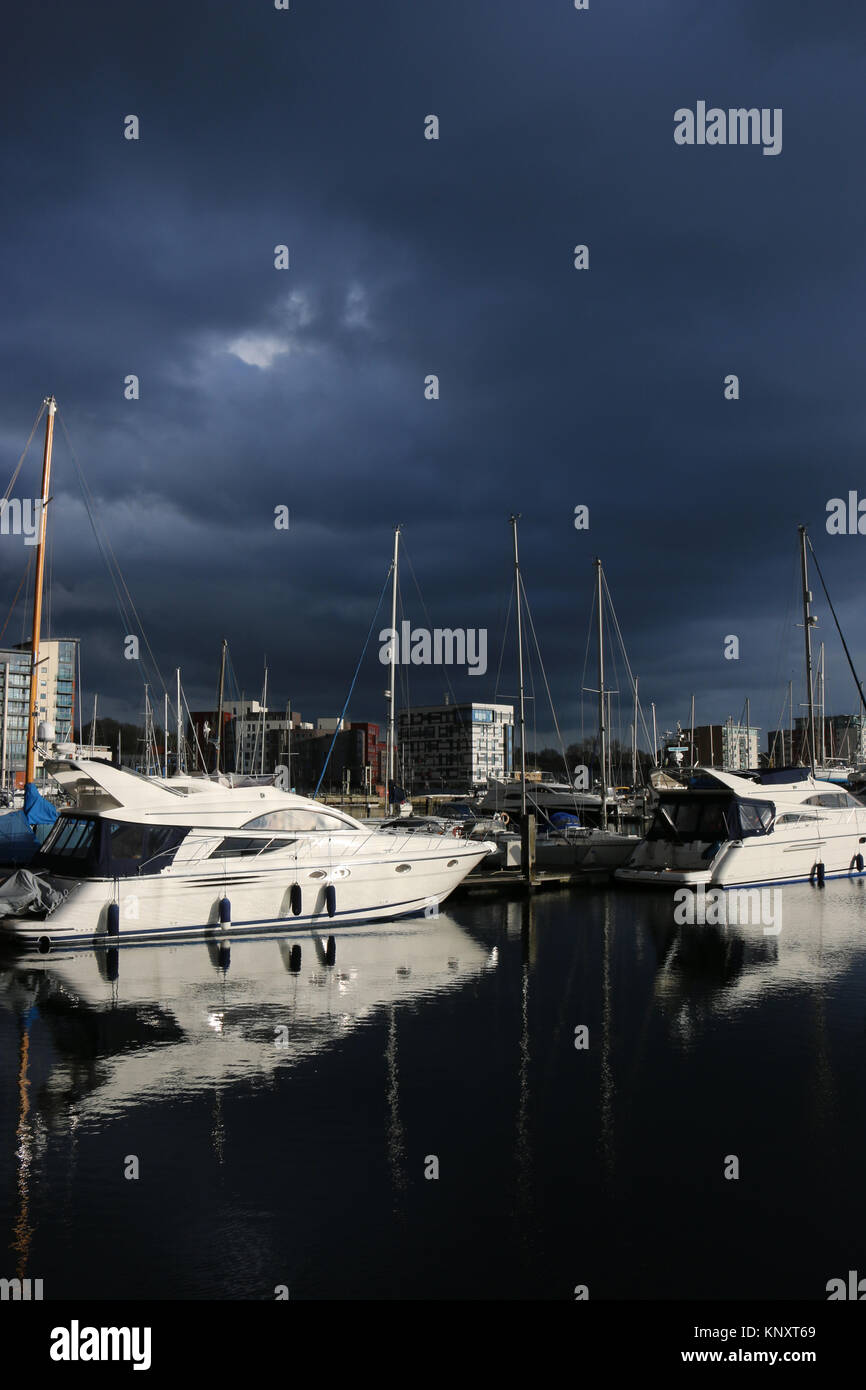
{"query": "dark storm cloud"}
[(410, 257)]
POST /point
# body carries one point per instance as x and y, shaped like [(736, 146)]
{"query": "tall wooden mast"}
[(33, 716)]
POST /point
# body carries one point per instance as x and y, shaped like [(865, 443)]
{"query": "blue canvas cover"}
[(17, 842), (37, 810)]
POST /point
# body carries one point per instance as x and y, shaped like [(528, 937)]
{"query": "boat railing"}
[(166, 854), (204, 848)]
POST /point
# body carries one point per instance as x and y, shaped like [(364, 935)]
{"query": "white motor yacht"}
[(140, 860), (728, 830), (542, 796)]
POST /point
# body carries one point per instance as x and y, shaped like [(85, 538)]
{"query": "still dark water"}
[(282, 1121)]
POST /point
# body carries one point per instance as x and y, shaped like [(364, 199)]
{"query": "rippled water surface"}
[(282, 1114)]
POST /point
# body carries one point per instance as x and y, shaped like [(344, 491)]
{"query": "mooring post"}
[(527, 847)]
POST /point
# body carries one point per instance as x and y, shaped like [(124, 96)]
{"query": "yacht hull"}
[(794, 859), (186, 902)]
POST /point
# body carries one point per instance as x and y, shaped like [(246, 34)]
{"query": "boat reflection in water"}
[(133, 1024), (812, 938)]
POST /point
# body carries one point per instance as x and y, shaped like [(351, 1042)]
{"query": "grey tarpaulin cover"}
[(25, 894)]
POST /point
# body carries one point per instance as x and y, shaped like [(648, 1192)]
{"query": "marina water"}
[(515, 1099)]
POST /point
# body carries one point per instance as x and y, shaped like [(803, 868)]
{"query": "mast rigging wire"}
[(352, 686), (838, 628)]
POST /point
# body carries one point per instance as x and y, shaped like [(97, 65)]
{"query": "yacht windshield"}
[(71, 838), (708, 819), (93, 846)]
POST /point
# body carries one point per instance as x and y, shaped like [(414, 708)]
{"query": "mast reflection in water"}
[(283, 1100)]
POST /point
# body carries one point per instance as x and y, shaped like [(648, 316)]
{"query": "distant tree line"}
[(131, 736), (585, 753)]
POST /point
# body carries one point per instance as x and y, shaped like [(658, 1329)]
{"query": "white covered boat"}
[(542, 797), (140, 860), (726, 830)]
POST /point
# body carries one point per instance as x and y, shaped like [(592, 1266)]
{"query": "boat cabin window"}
[(695, 817), (131, 847), (690, 818), (236, 847), (832, 800), (127, 841), (755, 817), (299, 818)]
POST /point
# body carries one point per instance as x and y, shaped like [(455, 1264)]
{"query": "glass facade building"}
[(455, 747), (55, 701)]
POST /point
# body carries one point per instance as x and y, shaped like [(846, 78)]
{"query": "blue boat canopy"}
[(564, 820), (18, 844), (37, 810)]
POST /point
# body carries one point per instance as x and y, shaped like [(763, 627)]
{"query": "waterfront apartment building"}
[(355, 754), (333, 756), (260, 739), (254, 741), (375, 753), (453, 747), (55, 701), (842, 737), (257, 741), (732, 747)]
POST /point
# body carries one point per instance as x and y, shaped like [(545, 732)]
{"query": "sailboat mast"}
[(148, 737), (219, 737), (634, 740), (602, 728), (264, 712), (514, 521), (79, 697), (392, 680), (808, 623), (179, 735), (165, 733), (821, 687), (33, 713), (5, 722)]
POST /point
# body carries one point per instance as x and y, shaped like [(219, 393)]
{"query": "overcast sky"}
[(304, 387)]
